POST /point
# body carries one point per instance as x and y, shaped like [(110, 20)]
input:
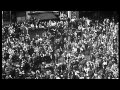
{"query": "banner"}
[(20, 19), (74, 14)]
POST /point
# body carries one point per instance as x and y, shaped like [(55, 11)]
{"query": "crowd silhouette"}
[(80, 49)]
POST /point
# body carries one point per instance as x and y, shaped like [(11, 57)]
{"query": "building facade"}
[(20, 16)]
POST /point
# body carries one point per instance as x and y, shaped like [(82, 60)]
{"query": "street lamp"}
[(10, 16), (69, 14), (2, 17)]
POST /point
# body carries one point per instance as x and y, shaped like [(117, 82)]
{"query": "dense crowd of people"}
[(79, 49)]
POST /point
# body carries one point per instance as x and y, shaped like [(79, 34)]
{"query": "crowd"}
[(79, 49)]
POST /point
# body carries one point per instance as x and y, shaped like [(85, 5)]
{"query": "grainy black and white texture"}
[(67, 50)]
